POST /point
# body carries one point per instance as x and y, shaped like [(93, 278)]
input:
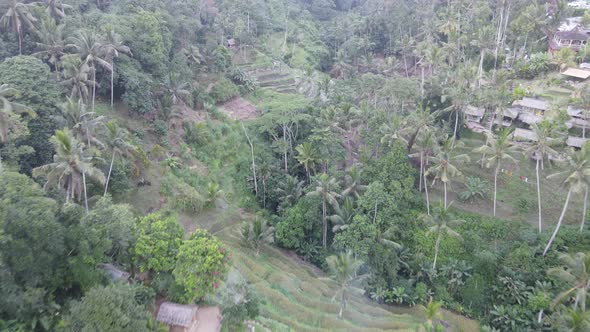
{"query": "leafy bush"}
[(158, 242), (474, 187), (224, 90), (160, 127)]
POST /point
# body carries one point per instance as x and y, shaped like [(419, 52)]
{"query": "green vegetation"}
[(302, 165)]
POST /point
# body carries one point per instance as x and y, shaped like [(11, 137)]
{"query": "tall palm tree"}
[(113, 45), (575, 273), (52, 43), (18, 15), (81, 122), (77, 77), (343, 269), (177, 88), (539, 150), (576, 320), (575, 175), (393, 131), (325, 189), (69, 167), (8, 110), (89, 47), (498, 149), (353, 181), (444, 166), (343, 216), (307, 156), (441, 222), (420, 120), (116, 140), (56, 8)]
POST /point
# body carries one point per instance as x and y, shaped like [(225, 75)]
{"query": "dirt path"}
[(239, 109)]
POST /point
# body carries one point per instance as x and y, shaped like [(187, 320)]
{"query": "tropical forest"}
[(294, 165)]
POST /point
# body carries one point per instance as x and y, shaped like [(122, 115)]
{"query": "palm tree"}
[(177, 88), (116, 141), (353, 181), (539, 150), (440, 222), (325, 186), (113, 45), (69, 167), (289, 191), (17, 16), (343, 216), (418, 122), (575, 273), (81, 122), (307, 156), (343, 269), (575, 180), (576, 320), (497, 150), (392, 131), (56, 8), (52, 43), (433, 315), (444, 166), (90, 49), (7, 111), (77, 76)]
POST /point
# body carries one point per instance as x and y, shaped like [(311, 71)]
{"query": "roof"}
[(476, 127), (571, 35), (177, 314), (525, 134), (577, 73), (231, 41), (580, 123), (474, 111), (574, 112), (529, 118), (585, 65), (511, 112), (576, 142), (114, 273), (533, 103)]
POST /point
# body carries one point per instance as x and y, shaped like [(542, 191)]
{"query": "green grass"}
[(269, 100)]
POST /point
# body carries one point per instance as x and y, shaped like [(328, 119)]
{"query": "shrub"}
[(474, 187), (224, 90), (160, 128)]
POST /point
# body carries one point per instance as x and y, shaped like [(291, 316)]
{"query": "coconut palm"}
[(113, 45), (8, 109), (343, 216), (77, 77), (498, 149), (343, 270), (176, 88), (392, 131), (70, 166), (289, 191), (18, 15), (307, 156), (441, 222), (80, 121), (116, 140), (576, 178), (52, 43), (426, 144), (325, 189), (433, 316), (575, 273), (444, 166), (88, 45), (575, 320), (56, 8), (353, 181), (419, 121), (539, 150)]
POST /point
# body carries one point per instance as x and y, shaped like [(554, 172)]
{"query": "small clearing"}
[(239, 109)]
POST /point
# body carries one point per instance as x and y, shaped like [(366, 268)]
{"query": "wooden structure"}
[(532, 105), (231, 43), (189, 318), (525, 135), (573, 40), (509, 115), (575, 142)]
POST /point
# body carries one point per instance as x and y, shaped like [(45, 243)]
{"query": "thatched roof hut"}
[(576, 142), (179, 317), (525, 135), (115, 273)]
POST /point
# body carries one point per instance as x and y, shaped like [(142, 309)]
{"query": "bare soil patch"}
[(239, 109)]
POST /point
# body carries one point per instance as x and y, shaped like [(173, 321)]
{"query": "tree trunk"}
[(112, 82), (540, 316), (436, 246), (427, 198), (456, 125), (20, 41), (539, 196), (253, 160), (495, 187), (421, 170), (422, 83), (342, 304), (480, 67), (85, 193), (445, 186), (325, 225), (584, 211), (93, 86), (106, 185), (285, 152), (567, 200)]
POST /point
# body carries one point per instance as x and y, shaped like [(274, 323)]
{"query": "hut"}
[(575, 142), (231, 43), (529, 118), (525, 135), (532, 105), (114, 273), (574, 40), (508, 117), (577, 74), (474, 114), (189, 318)]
